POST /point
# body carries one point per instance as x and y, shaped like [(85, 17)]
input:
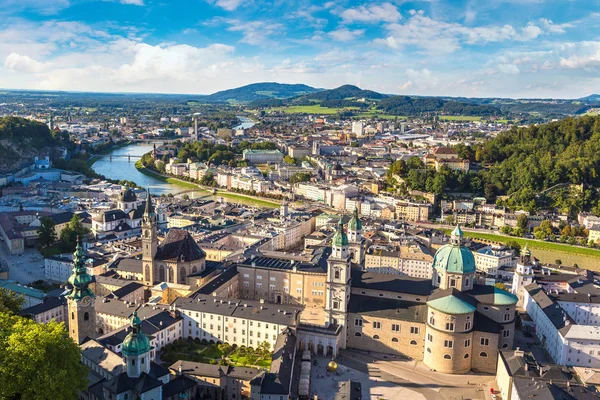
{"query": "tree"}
[(522, 221), (300, 177), (69, 234), (10, 302), (543, 231), (46, 231), (505, 230), (515, 246), (289, 160), (558, 261), (38, 361), (449, 220), (500, 285)]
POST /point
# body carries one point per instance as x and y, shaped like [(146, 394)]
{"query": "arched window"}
[(182, 275), (147, 273), (86, 316), (376, 337), (431, 321), (447, 357), (413, 342), (171, 273), (72, 315), (194, 269), (483, 354), (337, 274), (142, 361), (161, 274), (395, 340), (357, 334), (467, 355), (466, 282), (505, 345), (133, 361)]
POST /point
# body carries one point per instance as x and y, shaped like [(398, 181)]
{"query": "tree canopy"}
[(38, 361)]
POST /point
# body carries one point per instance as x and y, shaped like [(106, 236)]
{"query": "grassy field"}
[(547, 252), (243, 198), (459, 118), (243, 358)]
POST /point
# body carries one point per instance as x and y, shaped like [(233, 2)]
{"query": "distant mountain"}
[(257, 91), (344, 92), (591, 98)]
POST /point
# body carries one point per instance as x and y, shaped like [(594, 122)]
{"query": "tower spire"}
[(149, 210), (80, 279)]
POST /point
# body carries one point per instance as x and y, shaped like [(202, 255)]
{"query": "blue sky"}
[(475, 48)]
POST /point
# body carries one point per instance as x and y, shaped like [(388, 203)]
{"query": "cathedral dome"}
[(136, 342), (127, 195), (454, 257)]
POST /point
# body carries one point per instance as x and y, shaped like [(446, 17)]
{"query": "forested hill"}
[(525, 161), (343, 92), (21, 140), (256, 91), (405, 105)]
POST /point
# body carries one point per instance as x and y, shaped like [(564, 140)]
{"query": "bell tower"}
[(338, 281), (136, 349), (81, 300), (355, 238), (149, 240)]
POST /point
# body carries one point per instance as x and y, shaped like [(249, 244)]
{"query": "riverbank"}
[(198, 188), (547, 252)]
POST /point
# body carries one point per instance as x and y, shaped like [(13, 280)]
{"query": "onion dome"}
[(454, 257), (80, 279), (355, 224), (340, 238), (136, 342)]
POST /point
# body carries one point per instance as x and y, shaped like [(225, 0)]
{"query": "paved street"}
[(25, 268)]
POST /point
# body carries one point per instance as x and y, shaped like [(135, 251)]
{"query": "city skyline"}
[(504, 48)]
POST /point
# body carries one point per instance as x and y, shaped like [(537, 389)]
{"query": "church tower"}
[(338, 281), (355, 238), (149, 240), (523, 275), (136, 349), (284, 211), (80, 301)]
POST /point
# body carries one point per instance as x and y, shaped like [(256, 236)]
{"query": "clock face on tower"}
[(86, 301)]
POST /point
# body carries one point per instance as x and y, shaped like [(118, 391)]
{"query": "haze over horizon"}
[(503, 48)]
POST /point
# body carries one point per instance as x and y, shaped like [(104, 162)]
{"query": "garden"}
[(216, 353)]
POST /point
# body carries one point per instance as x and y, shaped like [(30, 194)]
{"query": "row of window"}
[(483, 354), (395, 327), (394, 339)]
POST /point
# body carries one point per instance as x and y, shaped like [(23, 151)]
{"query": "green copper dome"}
[(451, 305), (340, 238), (80, 279), (454, 257), (136, 342), (355, 224)]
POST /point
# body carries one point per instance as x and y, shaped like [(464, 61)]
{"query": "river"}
[(246, 123), (121, 168)]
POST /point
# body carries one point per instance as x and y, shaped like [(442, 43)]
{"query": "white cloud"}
[(446, 37), (255, 33), (229, 5), (132, 2), (345, 34), (551, 27), (372, 13), (21, 63), (508, 69)]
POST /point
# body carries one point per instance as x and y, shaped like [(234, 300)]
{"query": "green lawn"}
[(194, 351), (547, 252), (459, 118), (190, 351), (249, 199), (253, 359)]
